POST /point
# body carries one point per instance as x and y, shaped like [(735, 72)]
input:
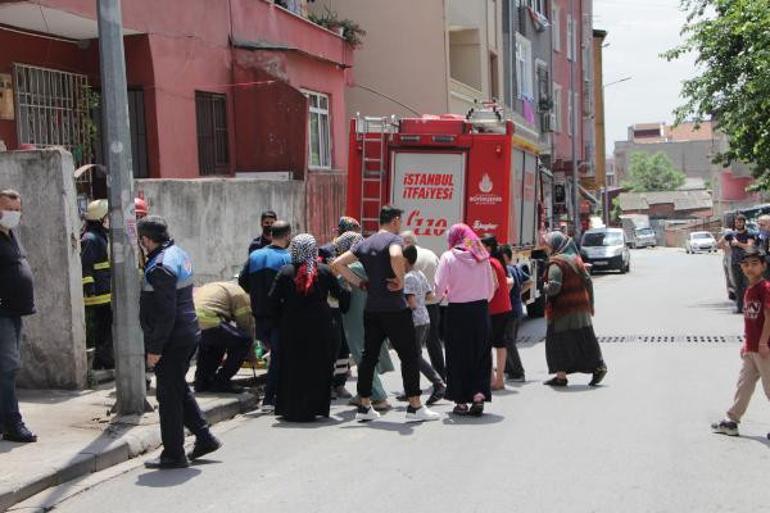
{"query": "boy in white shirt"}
[(417, 291)]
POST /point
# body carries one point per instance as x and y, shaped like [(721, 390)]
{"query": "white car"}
[(699, 242)]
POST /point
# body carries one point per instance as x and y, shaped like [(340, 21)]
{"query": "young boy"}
[(755, 351), (417, 291)]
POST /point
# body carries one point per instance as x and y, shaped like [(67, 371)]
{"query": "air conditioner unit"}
[(549, 121)]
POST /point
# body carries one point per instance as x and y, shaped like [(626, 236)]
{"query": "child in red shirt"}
[(755, 351)]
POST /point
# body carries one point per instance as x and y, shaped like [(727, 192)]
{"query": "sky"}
[(638, 31)]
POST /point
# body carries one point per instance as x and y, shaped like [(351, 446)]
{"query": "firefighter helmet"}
[(97, 210), (140, 207)]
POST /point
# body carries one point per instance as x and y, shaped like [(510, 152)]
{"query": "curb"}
[(123, 442)]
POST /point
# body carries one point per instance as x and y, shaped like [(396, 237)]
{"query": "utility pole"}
[(116, 141), (573, 42)]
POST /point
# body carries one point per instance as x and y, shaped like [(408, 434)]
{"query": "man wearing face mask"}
[(267, 219), (95, 260), (16, 301), (738, 241)]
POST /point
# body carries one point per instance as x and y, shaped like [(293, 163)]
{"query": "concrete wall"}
[(53, 345), (215, 219)]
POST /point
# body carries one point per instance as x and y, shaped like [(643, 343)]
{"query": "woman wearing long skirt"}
[(465, 278), (570, 343), (353, 323), (299, 302)]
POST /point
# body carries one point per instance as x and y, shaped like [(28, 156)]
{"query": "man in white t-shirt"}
[(427, 261)]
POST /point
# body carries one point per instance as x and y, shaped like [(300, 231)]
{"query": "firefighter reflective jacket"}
[(166, 308), (224, 301), (95, 259)]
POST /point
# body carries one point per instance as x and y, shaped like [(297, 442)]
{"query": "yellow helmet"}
[(97, 210)]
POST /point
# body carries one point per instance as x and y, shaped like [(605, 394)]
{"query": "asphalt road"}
[(639, 443)]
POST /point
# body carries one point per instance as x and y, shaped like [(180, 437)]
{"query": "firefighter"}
[(95, 259), (227, 326), (140, 208), (171, 335)]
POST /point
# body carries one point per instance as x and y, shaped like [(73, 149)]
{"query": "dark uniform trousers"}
[(215, 343), (176, 404)]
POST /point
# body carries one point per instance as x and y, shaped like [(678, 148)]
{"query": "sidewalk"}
[(77, 435)]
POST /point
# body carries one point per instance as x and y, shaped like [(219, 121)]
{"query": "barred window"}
[(213, 140)]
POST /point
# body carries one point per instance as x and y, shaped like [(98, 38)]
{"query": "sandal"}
[(460, 409), (556, 382)]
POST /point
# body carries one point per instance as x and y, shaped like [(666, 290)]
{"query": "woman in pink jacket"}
[(465, 278)]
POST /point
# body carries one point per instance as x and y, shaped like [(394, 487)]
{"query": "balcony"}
[(462, 97)]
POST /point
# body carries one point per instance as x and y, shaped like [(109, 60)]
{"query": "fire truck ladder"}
[(374, 136)]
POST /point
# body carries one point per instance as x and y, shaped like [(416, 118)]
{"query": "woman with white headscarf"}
[(299, 300), (570, 343)]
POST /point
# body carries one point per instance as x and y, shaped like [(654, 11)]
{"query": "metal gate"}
[(53, 109)]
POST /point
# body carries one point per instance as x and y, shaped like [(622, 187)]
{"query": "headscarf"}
[(348, 224), (304, 252), (461, 236), (346, 241), (561, 244)]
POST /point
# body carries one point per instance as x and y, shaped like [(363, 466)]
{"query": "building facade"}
[(216, 87)]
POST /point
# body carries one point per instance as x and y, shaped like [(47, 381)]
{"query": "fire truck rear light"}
[(410, 138), (443, 138)]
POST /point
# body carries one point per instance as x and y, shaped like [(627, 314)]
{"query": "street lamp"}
[(606, 195)]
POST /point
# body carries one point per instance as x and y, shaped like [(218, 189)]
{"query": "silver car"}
[(606, 249), (700, 242)]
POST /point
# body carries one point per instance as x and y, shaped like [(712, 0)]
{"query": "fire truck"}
[(445, 169)]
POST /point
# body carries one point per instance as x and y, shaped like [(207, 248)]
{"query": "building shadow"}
[(166, 478)]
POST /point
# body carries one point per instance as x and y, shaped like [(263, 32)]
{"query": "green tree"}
[(652, 173), (731, 41)]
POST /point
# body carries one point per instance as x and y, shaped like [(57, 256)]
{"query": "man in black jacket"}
[(16, 300), (171, 335), (267, 219)]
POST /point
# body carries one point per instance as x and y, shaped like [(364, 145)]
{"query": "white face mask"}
[(10, 219)]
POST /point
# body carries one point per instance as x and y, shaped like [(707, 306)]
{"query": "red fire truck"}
[(446, 169)]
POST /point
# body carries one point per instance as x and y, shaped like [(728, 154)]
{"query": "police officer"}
[(171, 335), (95, 260)]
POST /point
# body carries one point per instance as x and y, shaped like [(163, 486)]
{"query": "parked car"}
[(698, 242), (606, 249)]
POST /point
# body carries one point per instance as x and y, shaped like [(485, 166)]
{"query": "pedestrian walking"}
[(738, 241), (353, 323), (257, 278), (266, 220), (521, 284), (299, 299), (227, 328), (17, 300), (97, 279), (465, 277), (171, 336), (755, 351), (386, 314), (427, 262), (418, 291), (500, 309), (570, 343)]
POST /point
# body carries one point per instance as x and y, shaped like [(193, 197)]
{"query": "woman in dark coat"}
[(570, 343), (299, 301)]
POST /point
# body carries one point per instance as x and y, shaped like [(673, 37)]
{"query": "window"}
[(570, 37), (213, 141), (524, 67), (556, 27), (557, 108), (494, 77), (543, 83), (570, 106), (319, 131)]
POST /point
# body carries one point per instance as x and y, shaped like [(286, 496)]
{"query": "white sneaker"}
[(422, 414), (366, 414), (267, 408)]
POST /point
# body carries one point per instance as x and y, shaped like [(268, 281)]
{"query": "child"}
[(418, 290), (521, 284), (755, 351)]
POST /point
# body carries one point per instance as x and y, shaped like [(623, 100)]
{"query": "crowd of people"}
[(316, 308), (319, 306)]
